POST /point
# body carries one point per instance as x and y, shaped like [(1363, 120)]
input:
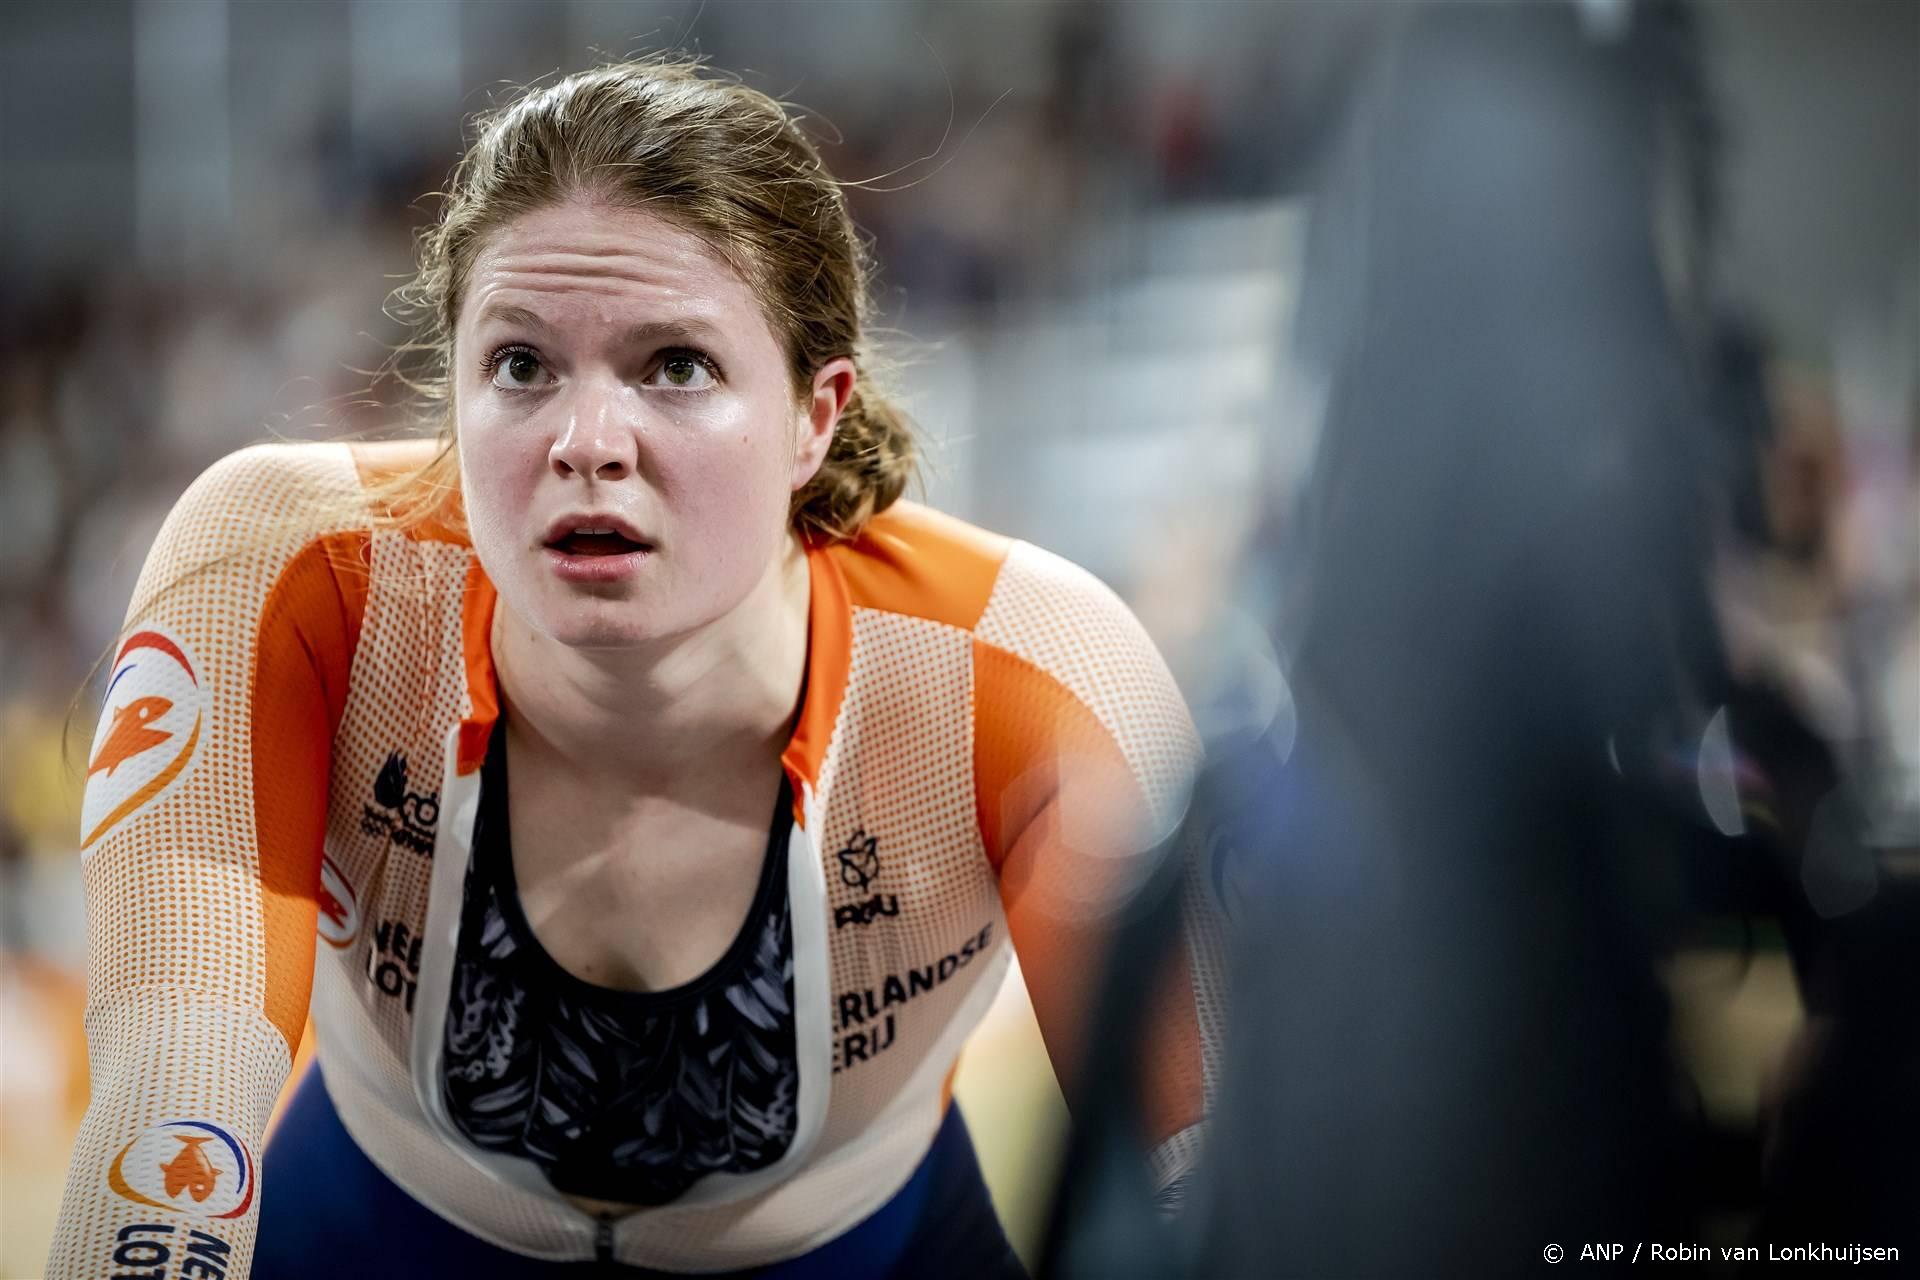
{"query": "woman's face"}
[(629, 438)]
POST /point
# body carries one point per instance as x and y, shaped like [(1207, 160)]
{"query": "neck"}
[(723, 696)]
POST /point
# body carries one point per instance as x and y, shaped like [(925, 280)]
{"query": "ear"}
[(832, 387)]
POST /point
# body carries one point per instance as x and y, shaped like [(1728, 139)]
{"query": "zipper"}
[(603, 1239)]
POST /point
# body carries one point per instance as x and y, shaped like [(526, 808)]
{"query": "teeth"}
[(590, 531)]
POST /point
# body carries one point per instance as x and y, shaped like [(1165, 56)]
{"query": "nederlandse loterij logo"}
[(405, 817), (188, 1166), (339, 918), (151, 726)]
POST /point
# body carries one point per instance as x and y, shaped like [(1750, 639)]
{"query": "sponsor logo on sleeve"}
[(188, 1166), (339, 917), (151, 1247), (151, 726)]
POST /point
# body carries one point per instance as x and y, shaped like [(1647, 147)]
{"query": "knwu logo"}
[(188, 1166), (151, 727), (405, 817), (859, 867)]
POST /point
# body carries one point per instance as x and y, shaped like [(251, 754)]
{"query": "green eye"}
[(522, 367), (684, 371)]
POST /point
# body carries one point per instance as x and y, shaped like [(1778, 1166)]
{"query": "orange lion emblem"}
[(190, 1170)]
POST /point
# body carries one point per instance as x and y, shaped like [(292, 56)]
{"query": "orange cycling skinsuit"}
[(288, 767)]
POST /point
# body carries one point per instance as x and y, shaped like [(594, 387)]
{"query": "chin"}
[(615, 627)]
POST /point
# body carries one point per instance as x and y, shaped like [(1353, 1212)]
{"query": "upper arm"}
[(207, 779), (1083, 755)]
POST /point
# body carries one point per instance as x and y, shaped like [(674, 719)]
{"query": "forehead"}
[(601, 262)]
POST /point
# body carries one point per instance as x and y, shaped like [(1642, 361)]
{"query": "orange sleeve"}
[(203, 821), (302, 662)]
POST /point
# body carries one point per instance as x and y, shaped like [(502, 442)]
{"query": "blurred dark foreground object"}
[(1450, 1041), (1449, 1044)]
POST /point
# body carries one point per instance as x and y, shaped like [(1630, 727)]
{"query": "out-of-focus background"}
[(1119, 251)]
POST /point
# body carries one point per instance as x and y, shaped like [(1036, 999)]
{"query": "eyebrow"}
[(685, 328)]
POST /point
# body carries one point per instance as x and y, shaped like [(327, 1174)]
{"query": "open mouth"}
[(596, 542)]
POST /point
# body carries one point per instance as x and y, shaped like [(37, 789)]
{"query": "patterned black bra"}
[(618, 1095)]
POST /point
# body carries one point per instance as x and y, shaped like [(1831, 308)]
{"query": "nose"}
[(596, 442)]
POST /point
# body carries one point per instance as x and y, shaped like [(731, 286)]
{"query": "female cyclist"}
[(659, 795)]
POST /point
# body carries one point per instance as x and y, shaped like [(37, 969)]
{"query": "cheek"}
[(498, 472), (727, 485)]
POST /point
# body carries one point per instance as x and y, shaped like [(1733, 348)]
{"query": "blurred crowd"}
[(1023, 169)]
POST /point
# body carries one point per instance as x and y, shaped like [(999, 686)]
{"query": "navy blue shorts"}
[(327, 1211)]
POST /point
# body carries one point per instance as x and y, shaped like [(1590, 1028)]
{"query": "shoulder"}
[(270, 502), (274, 519), (1011, 595), (1055, 650), (272, 482), (252, 510), (921, 563), (316, 488), (1048, 608), (1055, 642)]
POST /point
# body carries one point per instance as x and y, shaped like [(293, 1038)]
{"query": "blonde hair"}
[(715, 158)]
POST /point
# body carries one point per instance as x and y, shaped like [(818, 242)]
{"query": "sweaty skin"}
[(613, 372), (651, 388)]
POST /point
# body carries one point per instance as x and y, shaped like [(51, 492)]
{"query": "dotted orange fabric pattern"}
[(1069, 624), (186, 1060), (989, 743)]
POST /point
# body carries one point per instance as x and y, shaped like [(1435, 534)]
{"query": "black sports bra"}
[(618, 1095)]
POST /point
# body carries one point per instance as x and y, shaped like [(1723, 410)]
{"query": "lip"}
[(566, 524), (595, 569), (591, 569)]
